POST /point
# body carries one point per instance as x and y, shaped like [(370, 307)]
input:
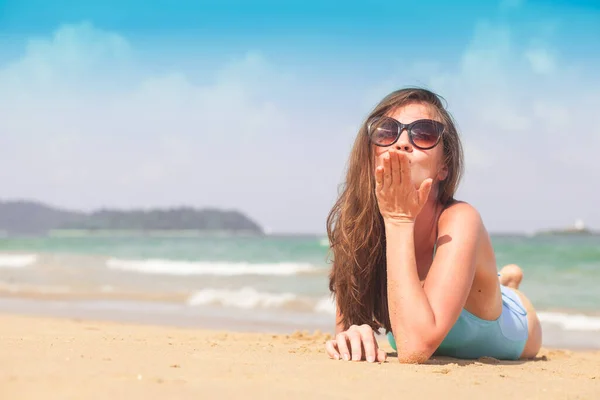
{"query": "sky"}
[(254, 105)]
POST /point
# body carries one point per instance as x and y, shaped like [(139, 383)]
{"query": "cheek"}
[(419, 173), (434, 160), (424, 167)]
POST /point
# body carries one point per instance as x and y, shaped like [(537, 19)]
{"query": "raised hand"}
[(397, 196)]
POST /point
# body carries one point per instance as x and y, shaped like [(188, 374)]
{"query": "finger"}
[(387, 171), (394, 160), (369, 344), (379, 177), (331, 347), (404, 168), (341, 340), (355, 345), (424, 190), (381, 355)]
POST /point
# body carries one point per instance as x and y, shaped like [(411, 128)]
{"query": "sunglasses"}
[(424, 134)]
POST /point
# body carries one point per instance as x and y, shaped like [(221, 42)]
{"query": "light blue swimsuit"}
[(472, 337)]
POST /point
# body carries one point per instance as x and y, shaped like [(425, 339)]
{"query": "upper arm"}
[(450, 277)]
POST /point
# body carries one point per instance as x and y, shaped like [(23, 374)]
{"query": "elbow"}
[(416, 355), (418, 345), (418, 352)]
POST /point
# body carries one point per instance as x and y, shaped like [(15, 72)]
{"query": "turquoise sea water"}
[(270, 278)]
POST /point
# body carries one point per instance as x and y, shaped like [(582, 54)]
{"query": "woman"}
[(411, 259)]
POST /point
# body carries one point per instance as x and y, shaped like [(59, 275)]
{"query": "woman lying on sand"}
[(410, 258)]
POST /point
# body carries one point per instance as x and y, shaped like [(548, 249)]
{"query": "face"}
[(424, 163)]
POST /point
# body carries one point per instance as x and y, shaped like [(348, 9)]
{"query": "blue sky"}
[(254, 105)]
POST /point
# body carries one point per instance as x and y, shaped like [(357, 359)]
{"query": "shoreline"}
[(155, 313), (177, 315), (56, 358)]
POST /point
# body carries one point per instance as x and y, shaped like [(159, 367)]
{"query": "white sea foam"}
[(246, 297), (17, 260), (250, 298), (571, 322), (325, 305), (183, 268)]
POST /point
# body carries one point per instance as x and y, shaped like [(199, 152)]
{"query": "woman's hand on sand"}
[(356, 344), (397, 197)]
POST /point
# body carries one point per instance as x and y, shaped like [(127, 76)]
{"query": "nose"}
[(403, 143)]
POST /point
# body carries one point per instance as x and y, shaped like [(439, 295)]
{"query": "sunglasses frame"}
[(408, 127)]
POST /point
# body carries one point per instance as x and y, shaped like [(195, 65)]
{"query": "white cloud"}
[(541, 61), (84, 123), (74, 55), (529, 125), (532, 135)]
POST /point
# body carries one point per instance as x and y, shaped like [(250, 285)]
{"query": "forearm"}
[(411, 315)]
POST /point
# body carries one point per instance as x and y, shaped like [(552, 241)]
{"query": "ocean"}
[(262, 283)]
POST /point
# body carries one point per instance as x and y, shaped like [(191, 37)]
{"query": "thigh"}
[(534, 340)]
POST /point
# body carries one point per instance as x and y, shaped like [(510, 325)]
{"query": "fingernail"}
[(337, 357), (370, 359), (346, 357)]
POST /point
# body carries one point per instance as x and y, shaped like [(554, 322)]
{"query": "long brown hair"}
[(355, 228)]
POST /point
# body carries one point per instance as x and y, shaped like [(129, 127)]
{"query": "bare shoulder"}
[(460, 216)]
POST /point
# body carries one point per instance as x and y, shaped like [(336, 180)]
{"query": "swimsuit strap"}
[(437, 231)]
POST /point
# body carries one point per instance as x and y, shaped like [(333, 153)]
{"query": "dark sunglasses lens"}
[(383, 131), (426, 134)]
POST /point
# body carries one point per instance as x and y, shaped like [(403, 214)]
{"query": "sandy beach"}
[(65, 358)]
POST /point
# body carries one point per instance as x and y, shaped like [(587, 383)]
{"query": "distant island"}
[(34, 218), (578, 228)]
